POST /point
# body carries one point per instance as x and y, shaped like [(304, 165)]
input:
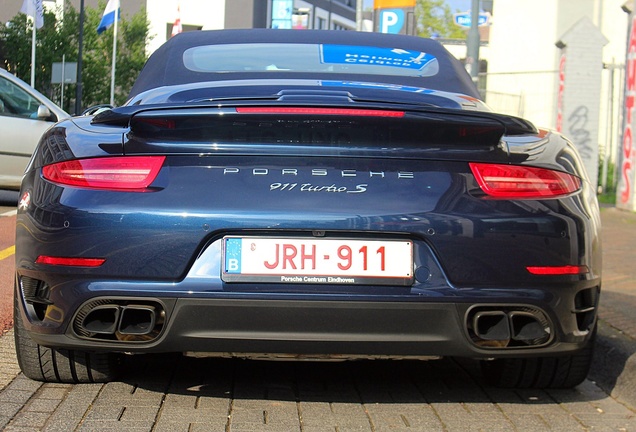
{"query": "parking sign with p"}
[(394, 16)]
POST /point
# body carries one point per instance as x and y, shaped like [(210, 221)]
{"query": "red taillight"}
[(558, 270), (519, 182), (113, 173), (163, 123), (320, 111), (69, 261)]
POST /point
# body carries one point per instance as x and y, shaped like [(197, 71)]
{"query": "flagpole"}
[(33, 55), (33, 9), (112, 74), (79, 87)]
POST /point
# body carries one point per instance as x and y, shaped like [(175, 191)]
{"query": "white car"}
[(25, 114)]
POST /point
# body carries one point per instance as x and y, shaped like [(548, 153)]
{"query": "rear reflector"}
[(131, 173), (70, 262), (320, 111), (519, 182), (560, 270)]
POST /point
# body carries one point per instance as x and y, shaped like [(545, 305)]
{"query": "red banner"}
[(626, 170)]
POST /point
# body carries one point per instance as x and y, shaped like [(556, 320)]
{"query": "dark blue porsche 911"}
[(311, 195)]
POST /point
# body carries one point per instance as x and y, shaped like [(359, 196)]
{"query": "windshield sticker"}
[(366, 55), (355, 84)]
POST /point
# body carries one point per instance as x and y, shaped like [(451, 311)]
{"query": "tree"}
[(434, 18), (58, 37), (132, 35), (16, 48)]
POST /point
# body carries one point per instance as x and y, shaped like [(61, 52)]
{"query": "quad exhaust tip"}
[(508, 328), (102, 320), (137, 320), (491, 325), (120, 321)]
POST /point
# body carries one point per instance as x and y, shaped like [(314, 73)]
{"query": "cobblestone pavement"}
[(172, 393), (175, 393), (615, 362)]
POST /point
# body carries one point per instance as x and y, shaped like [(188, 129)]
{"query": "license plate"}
[(317, 261)]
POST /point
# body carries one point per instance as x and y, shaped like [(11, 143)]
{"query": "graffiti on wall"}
[(579, 133)]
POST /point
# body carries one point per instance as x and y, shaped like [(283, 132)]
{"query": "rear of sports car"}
[(312, 225)]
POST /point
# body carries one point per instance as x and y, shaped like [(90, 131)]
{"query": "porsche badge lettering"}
[(309, 187), (320, 172)]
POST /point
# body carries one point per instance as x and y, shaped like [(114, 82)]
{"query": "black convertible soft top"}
[(166, 66)]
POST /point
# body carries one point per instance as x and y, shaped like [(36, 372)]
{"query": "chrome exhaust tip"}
[(101, 320), (137, 320), (491, 325)]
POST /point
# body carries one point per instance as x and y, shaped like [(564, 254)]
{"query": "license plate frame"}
[(310, 260)]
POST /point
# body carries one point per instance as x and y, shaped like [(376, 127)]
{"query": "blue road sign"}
[(391, 21), (463, 19)]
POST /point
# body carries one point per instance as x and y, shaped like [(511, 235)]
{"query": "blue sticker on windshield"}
[(383, 86), (367, 55)]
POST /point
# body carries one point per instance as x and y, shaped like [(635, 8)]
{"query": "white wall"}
[(523, 58), (522, 55)]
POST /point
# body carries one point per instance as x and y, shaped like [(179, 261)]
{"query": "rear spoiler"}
[(121, 116)]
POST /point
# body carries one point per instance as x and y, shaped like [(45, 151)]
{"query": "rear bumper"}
[(315, 327), (307, 328)]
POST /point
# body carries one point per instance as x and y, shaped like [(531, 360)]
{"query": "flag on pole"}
[(35, 9), (176, 27), (108, 19)]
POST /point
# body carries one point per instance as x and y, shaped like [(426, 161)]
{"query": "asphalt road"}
[(174, 393)]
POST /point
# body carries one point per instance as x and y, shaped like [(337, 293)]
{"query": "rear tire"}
[(541, 372), (60, 366)]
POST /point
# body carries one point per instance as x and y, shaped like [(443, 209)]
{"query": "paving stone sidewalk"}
[(618, 299), (614, 368), (174, 393)]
